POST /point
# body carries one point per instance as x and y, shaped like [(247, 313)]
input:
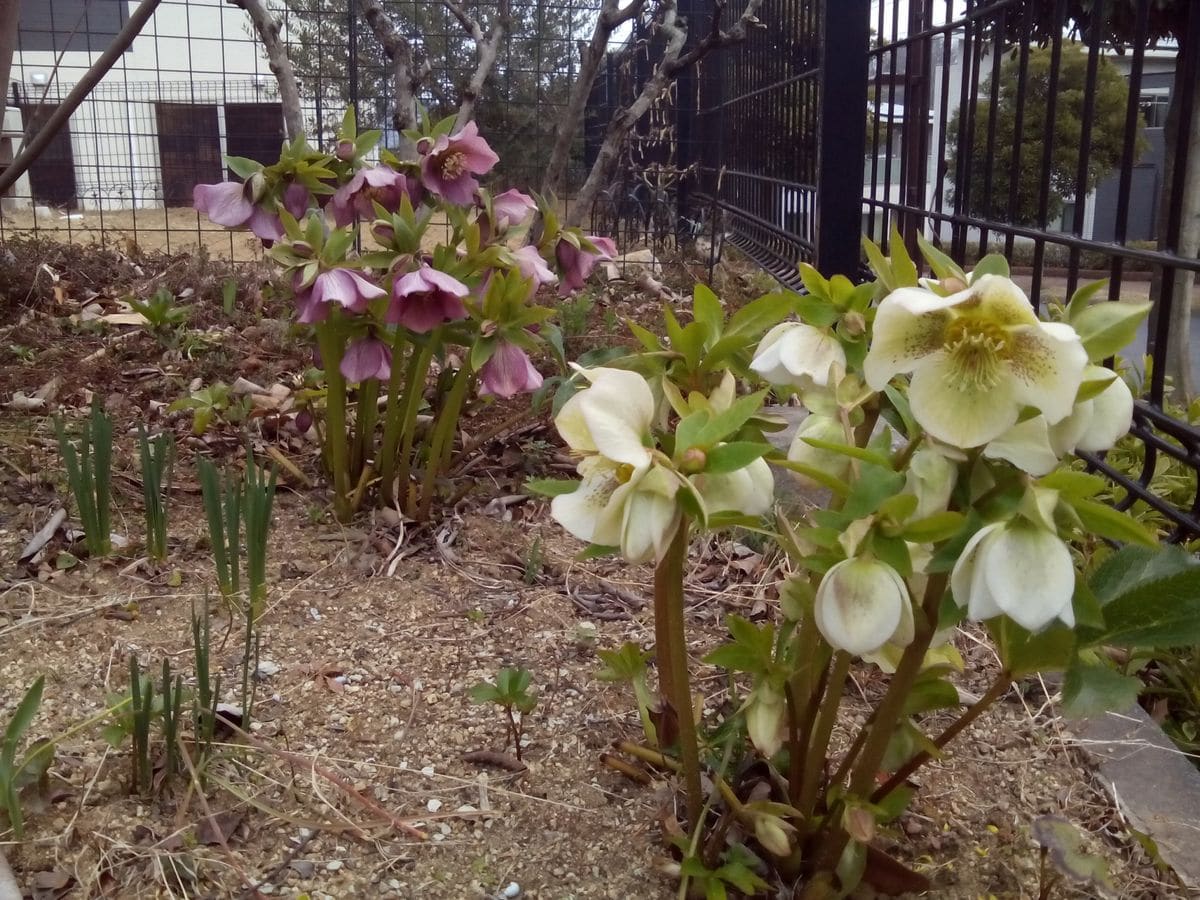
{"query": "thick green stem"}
[(887, 715), (364, 426), (995, 691), (675, 659), (442, 440), (804, 693), (818, 746), (392, 419), (330, 344), (414, 389)]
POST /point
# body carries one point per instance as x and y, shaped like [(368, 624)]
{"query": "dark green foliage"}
[(89, 473)]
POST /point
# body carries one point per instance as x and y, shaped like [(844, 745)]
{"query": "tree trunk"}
[(591, 56), (406, 76), (1178, 349), (267, 27), (486, 50)]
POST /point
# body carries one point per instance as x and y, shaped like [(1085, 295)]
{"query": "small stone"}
[(433, 805), (511, 891), (333, 865), (427, 771), (267, 668), (266, 888)]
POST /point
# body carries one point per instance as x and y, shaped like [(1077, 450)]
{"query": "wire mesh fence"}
[(196, 86)]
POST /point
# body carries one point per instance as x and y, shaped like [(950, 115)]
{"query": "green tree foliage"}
[(990, 158)]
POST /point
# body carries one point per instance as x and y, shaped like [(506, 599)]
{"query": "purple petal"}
[(225, 203), (508, 372), (309, 310), (297, 200), (265, 225), (345, 287), (367, 358), (531, 265), (478, 155), (511, 208)]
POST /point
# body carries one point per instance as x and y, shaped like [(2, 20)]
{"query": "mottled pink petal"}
[(367, 358), (225, 203), (508, 372)]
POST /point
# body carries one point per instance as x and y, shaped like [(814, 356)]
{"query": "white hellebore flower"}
[(861, 605), (825, 428), (766, 718), (799, 355), (976, 358), (749, 490), (1018, 569), (930, 477), (624, 499)]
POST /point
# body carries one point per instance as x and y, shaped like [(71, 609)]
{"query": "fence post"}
[(842, 134)]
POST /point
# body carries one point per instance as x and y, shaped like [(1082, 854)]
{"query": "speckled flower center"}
[(454, 165), (977, 349)]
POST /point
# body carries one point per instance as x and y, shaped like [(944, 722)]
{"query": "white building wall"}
[(191, 51)]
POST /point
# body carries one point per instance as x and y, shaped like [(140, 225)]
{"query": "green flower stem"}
[(887, 715), (670, 585), (995, 691), (414, 389), (442, 440), (804, 695), (330, 344), (819, 744), (392, 422), (364, 426)]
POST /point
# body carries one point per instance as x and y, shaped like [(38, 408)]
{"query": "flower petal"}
[(618, 409), (859, 605), (749, 490), (909, 326), (1027, 446), (650, 523), (963, 576), (1030, 574), (961, 414), (807, 354), (1047, 362), (1111, 418), (580, 511)]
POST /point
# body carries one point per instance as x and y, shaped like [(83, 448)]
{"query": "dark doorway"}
[(254, 130), (189, 148), (52, 175)]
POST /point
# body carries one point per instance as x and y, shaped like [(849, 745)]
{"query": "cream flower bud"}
[(861, 605)]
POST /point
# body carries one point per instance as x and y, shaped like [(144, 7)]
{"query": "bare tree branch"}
[(267, 27), (407, 76), (62, 113), (670, 64), (591, 55), (487, 48)]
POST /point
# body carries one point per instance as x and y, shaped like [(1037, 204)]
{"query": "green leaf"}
[(551, 487), (759, 316), (814, 282), (1106, 328), (1023, 653), (820, 476), (930, 693), (941, 264), (874, 485), (816, 311), (879, 264), (1089, 690), (1130, 568), (992, 264), (22, 718), (1064, 845), (1103, 520), (882, 460), (624, 664), (595, 551), (706, 309), (645, 336), (1074, 484), (733, 456), (484, 693), (903, 268), (241, 167), (1082, 298), (894, 552), (935, 528), (1157, 614)]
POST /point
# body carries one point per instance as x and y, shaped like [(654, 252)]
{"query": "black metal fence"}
[(1055, 131)]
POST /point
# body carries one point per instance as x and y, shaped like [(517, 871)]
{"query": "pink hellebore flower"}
[(508, 372), (297, 200), (511, 208), (345, 287), (449, 164), (531, 265), (229, 203), (426, 298), (577, 264), (367, 358), (374, 183)]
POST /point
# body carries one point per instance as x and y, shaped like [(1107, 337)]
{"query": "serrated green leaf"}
[(1022, 653), (1106, 328), (733, 456), (1158, 614), (1089, 690), (1101, 519)]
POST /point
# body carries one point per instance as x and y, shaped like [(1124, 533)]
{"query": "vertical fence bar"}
[(842, 133)]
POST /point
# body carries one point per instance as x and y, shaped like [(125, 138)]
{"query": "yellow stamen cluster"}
[(977, 348)]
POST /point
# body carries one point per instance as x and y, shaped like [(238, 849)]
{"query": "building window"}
[(1154, 108)]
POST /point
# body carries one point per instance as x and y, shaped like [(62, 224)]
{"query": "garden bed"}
[(375, 635)]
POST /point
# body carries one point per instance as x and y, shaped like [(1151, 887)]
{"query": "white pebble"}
[(427, 771), (511, 890), (434, 804), (333, 865)]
